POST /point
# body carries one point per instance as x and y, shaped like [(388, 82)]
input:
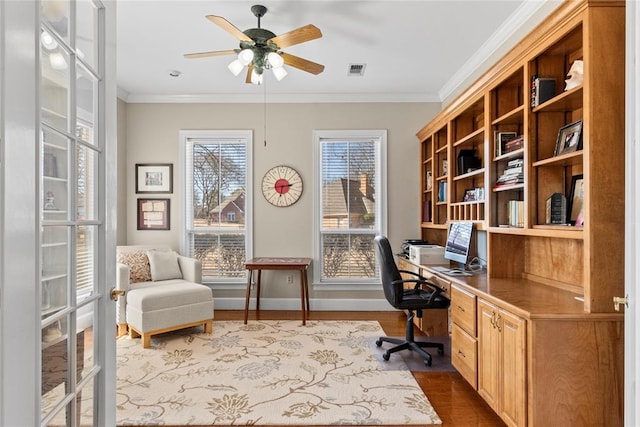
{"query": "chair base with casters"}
[(409, 343)]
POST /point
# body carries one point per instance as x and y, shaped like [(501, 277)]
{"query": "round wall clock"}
[(282, 186)]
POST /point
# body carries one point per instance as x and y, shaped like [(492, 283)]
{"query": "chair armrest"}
[(191, 269), (122, 276)]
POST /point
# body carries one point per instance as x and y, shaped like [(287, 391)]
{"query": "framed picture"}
[(154, 178), (569, 138), (575, 212), (470, 195), (153, 214)]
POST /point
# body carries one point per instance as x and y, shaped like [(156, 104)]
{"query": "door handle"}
[(115, 293)]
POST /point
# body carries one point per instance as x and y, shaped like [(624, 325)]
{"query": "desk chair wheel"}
[(379, 343), (386, 356), (427, 361)]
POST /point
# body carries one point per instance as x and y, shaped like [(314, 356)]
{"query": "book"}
[(542, 90), (442, 191), (513, 170), (513, 144), (515, 213), (501, 139), (515, 162), (556, 209)]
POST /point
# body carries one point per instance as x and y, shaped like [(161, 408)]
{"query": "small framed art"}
[(575, 212), (154, 214), (154, 178), (569, 138)]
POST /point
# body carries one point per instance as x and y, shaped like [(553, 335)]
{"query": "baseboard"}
[(316, 304)]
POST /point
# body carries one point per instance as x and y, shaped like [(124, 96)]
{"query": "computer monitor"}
[(459, 242)]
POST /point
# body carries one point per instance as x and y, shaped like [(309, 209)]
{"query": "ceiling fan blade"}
[(229, 27), (208, 54), (302, 64), (299, 35)]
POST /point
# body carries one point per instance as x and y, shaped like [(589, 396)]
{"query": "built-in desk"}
[(532, 352)]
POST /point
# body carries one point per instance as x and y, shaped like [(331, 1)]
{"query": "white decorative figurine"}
[(575, 75), (49, 204)]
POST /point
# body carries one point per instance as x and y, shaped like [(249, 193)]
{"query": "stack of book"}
[(513, 144), (515, 213), (512, 175), (503, 138)]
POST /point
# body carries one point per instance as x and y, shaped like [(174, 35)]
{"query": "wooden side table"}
[(278, 263)]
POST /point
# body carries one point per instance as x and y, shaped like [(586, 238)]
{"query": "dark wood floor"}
[(454, 400)]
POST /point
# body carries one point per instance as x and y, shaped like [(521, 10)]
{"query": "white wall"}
[(152, 137)]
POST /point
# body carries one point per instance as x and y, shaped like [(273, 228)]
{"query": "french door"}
[(57, 349)]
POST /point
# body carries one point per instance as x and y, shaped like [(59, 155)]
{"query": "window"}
[(351, 205), (217, 202)]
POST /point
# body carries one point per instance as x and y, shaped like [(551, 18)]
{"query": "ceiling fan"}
[(260, 49)]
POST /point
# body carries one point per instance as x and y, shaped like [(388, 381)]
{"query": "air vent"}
[(356, 69)]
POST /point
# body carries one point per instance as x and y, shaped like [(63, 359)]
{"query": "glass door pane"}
[(71, 155)]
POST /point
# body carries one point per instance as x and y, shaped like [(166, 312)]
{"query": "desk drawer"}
[(464, 355), (463, 309)]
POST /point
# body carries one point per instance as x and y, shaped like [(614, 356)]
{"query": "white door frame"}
[(632, 223)]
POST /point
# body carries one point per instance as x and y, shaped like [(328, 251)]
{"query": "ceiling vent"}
[(356, 69)]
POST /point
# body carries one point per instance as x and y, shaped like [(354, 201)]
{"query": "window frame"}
[(380, 139), (188, 137)]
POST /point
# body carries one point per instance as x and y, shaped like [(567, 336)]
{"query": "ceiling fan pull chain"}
[(265, 112)]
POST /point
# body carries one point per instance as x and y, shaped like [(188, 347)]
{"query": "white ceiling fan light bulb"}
[(275, 60), (245, 56), (57, 61), (236, 67), (279, 73), (256, 78), (48, 41)]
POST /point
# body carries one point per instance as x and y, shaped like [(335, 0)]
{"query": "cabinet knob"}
[(620, 300)]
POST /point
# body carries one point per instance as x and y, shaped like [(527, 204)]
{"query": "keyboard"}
[(449, 271)]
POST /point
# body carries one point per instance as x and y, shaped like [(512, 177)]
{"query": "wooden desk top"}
[(277, 263), (526, 298)]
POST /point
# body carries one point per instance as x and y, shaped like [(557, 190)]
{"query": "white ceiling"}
[(414, 51)]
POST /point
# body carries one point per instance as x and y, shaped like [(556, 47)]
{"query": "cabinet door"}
[(488, 354), (513, 380)]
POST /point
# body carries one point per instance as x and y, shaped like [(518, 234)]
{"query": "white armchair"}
[(163, 292)]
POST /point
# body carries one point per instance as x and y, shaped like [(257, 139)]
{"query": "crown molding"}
[(279, 98)]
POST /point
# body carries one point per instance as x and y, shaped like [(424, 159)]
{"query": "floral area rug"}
[(265, 373)]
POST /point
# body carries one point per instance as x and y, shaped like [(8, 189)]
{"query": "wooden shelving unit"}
[(582, 265)]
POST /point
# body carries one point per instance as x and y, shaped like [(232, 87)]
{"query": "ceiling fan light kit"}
[(260, 49)]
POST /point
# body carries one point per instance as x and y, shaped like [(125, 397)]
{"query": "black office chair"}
[(423, 296)]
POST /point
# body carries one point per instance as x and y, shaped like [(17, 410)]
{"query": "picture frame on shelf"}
[(569, 138), (575, 207), (154, 178), (429, 180), (154, 214)]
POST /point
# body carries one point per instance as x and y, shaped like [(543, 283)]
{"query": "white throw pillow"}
[(164, 265)]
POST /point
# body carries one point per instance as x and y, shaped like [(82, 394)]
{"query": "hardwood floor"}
[(454, 400)]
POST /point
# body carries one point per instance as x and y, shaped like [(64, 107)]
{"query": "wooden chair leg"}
[(146, 340), (208, 326)]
